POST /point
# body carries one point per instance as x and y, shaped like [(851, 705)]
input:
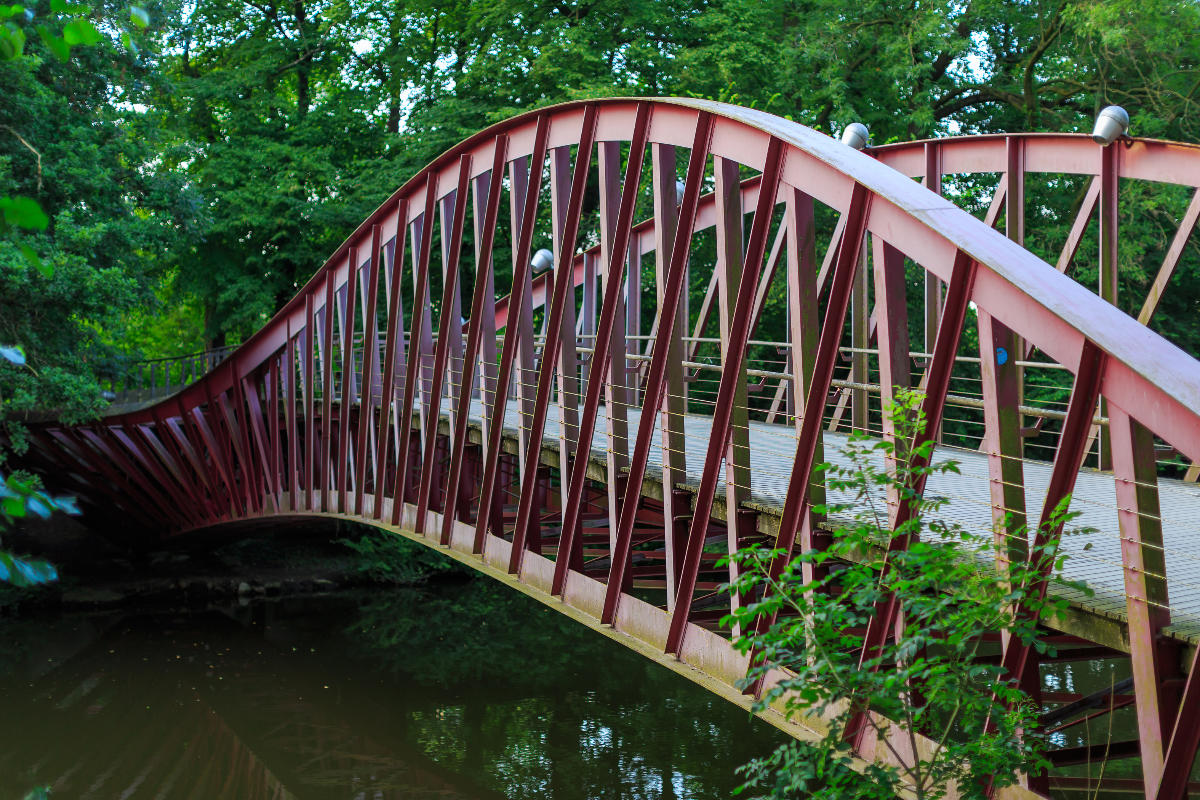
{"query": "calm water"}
[(460, 690)]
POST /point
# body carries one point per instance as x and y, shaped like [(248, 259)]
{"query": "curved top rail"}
[(1143, 373), (1065, 153)]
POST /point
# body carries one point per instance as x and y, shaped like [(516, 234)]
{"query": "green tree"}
[(929, 678), (89, 207)]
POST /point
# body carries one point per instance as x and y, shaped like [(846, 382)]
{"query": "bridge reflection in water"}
[(589, 451), (318, 699)]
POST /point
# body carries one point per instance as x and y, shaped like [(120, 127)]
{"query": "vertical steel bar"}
[(327, 392), (417, 325), (1068, 459), (728, 274), (366, 402), (292, 431), (344, 452), (449, 323), (481, 326), (485, 271), (587, 318), (563, 297), (633, 305), (393, 344), (310, 393), (569, 396), (1110, 172), (512, 336), (860, 340), (657, 376), (803, 293), (520, 176), (891, 304), (615, 235), (1146, 602), (933, 286), (669, 232), (732, 379), (274, 428), (617, 396), (1002, 434)]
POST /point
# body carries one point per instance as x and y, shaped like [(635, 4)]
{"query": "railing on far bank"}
[(153, 378)]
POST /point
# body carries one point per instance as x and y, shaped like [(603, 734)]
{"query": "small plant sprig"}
[(933, 678), (20, 499)]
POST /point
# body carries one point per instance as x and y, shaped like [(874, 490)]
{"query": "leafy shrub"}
[(388, 558), (932, 677)]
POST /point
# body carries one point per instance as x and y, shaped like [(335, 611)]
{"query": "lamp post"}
[(856, 135), (1111, 124)]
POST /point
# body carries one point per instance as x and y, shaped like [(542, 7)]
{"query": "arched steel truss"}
[(434, 422)]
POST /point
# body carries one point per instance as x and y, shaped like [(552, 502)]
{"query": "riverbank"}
[(239, 564)]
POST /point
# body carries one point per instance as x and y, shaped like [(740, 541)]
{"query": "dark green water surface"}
[(453, 690)]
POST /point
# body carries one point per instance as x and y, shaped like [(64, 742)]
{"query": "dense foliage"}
[(195, 162)]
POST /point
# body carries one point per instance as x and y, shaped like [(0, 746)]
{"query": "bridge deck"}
[(1094, 549)]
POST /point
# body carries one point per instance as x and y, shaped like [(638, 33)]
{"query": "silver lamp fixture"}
[(856, 135), (542, 260), (1111, 124)]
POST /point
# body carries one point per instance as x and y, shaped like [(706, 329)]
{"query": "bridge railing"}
[(150, 379)]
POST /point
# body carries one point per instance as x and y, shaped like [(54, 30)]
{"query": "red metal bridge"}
[(592, 434)]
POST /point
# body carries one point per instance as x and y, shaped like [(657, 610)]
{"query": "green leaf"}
[(14, 507), (67, 506), (47, 270), (38, 506), (138, 16), (63, 7), (54, 43), (20, 572), (81, 31), (24, 212), (128, 43), (13, 354), (12, 42)]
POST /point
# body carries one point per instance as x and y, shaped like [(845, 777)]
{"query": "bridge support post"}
[(802, 316), (860, 340), (1110, 172), (892, 310), (728, 274), (569, 395), (617, 395), (934, 288), (674, 406), (524, 376), (1146, 601)]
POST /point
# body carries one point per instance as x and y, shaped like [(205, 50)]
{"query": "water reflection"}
[(451, 691)]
